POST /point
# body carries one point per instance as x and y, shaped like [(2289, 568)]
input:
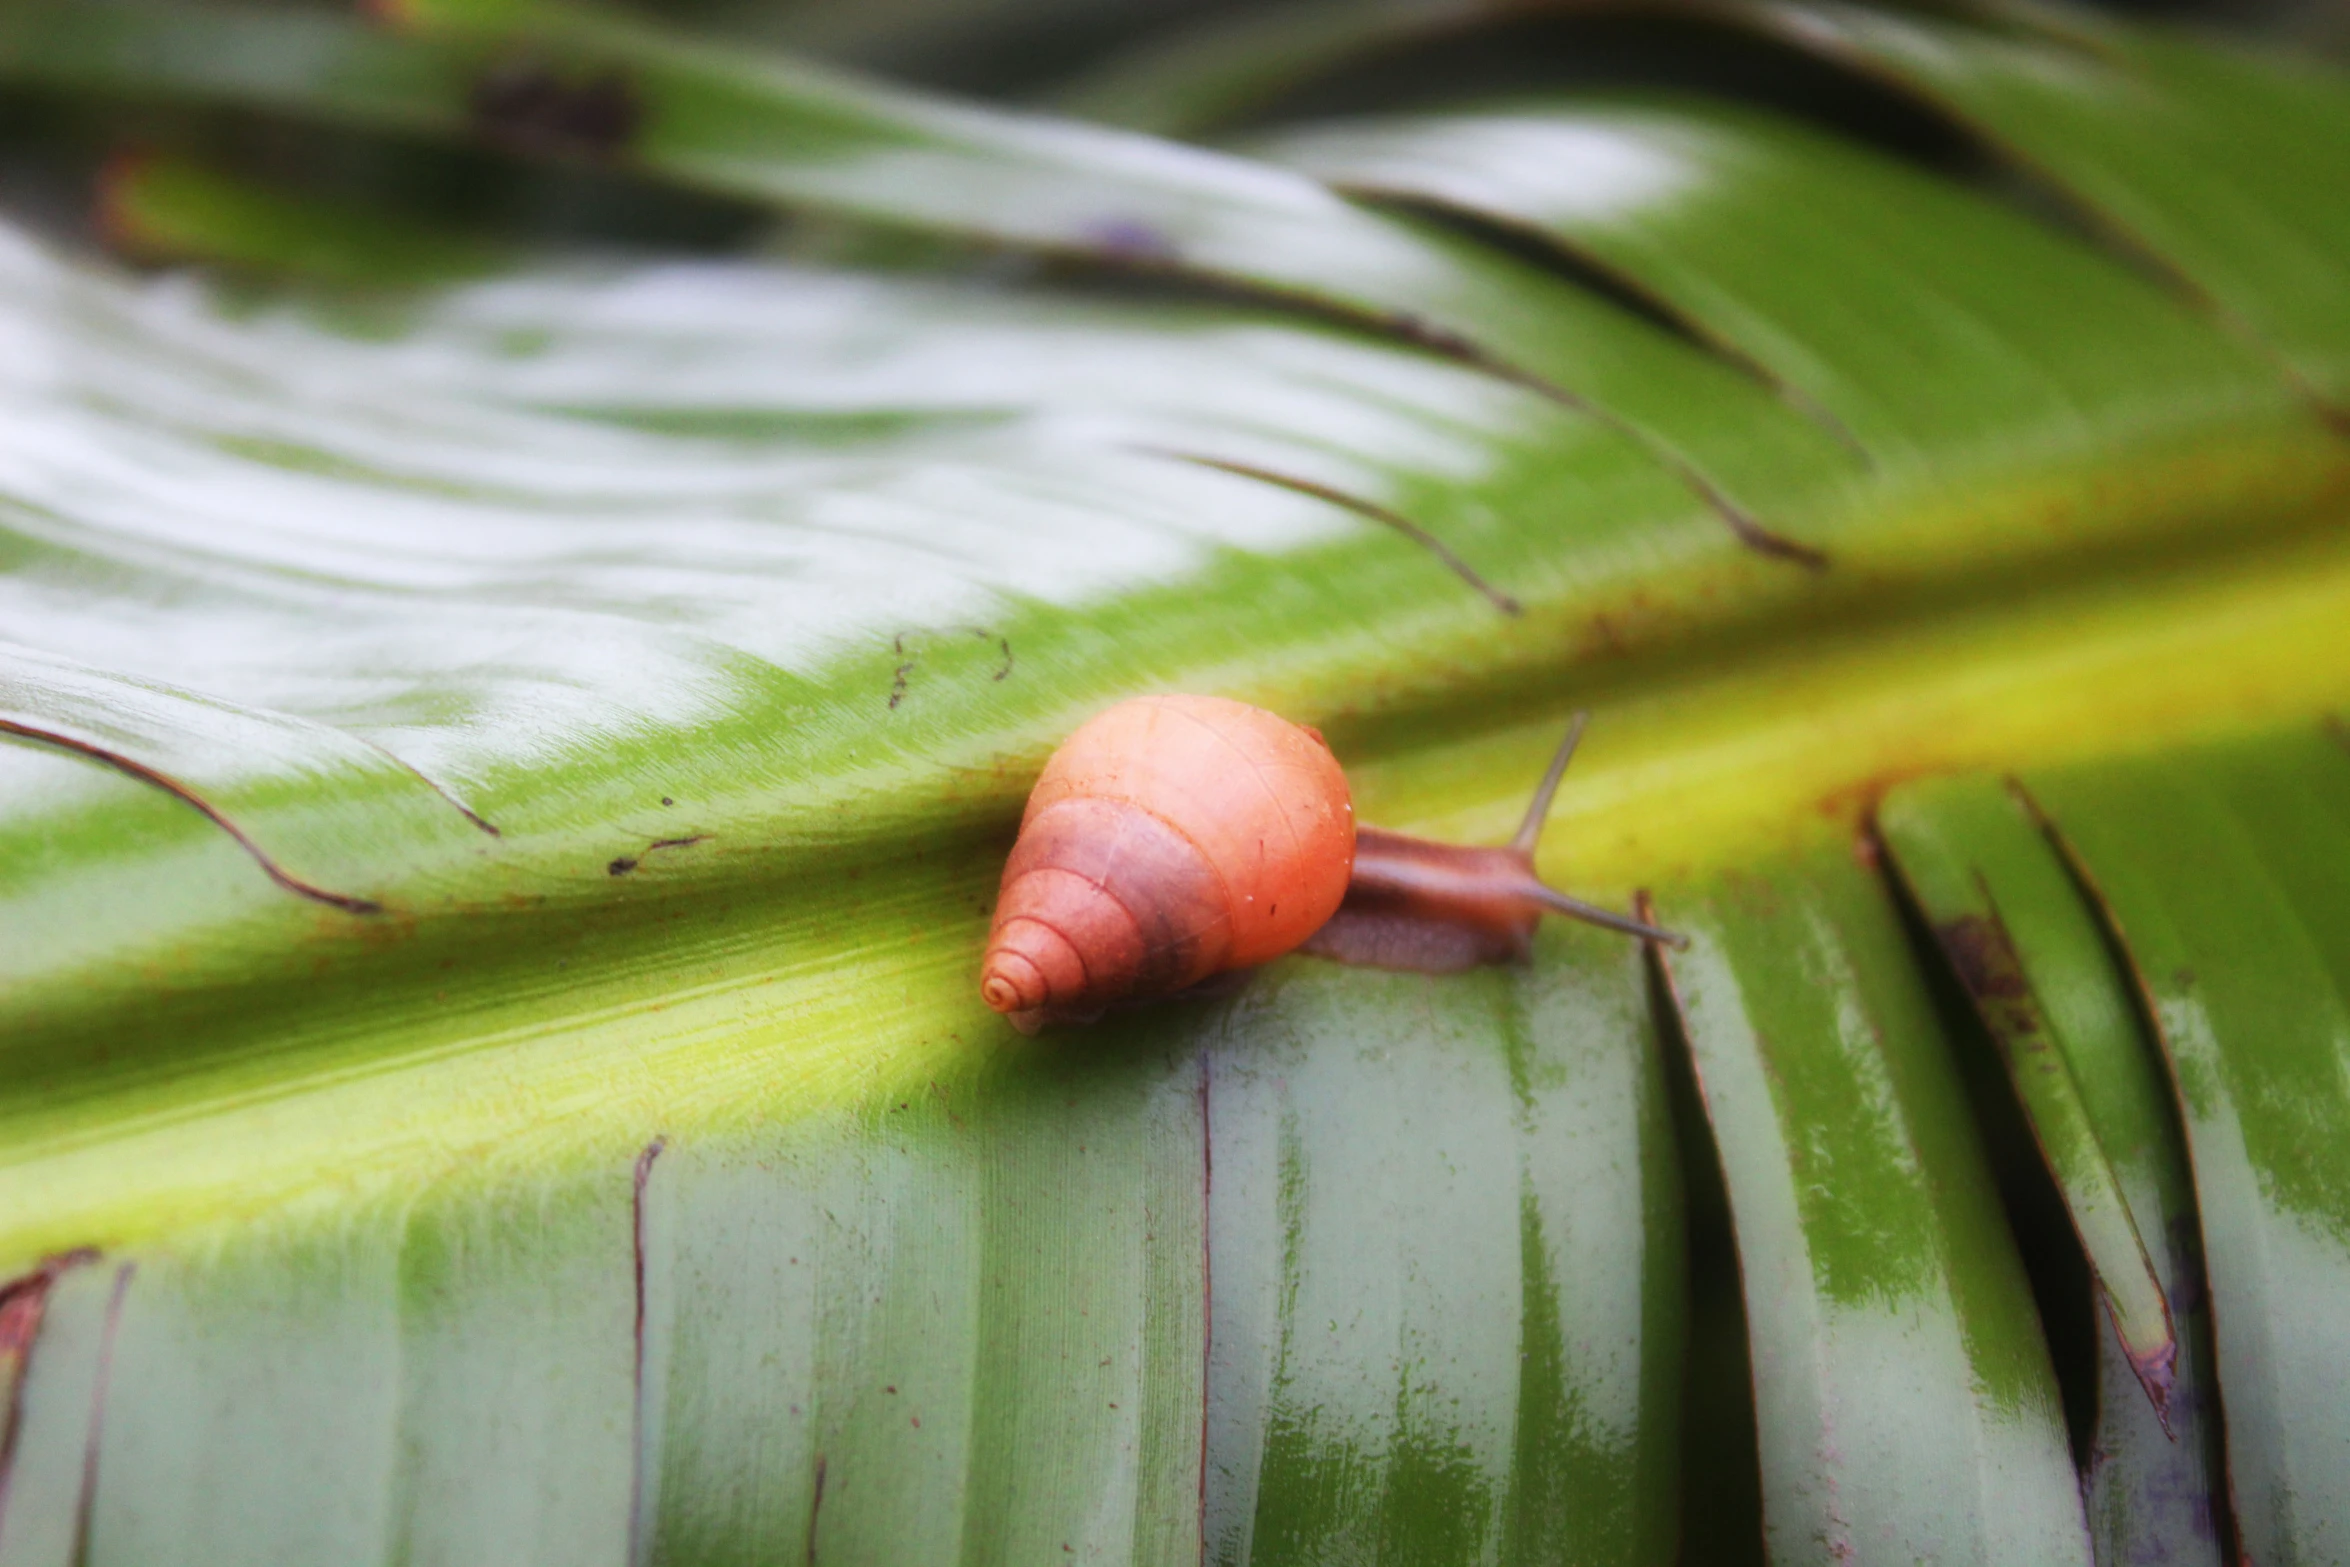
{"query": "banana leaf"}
[(2030, 951), (508, 749)]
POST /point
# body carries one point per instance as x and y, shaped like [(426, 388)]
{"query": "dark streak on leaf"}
[(902, 675), (1753, 534), (85, 1505), (1420, 332), (628, 862), (1679, 1040), (1413, 331), (1992, 972), (815, 1507), (1207, 1275), (1360, 507), (636, 1435), (1561, 256), (1743, 524), (1987, 962), (2044, 192), (23, 1301), (2156, 1370), (434, 785), (530, 106), (170, 785)]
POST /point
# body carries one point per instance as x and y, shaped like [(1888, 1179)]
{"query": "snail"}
[(1174, 839)]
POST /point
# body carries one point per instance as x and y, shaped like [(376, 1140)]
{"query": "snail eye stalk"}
[(1529, 832)]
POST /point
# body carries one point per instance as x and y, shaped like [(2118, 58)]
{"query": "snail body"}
[(1172, 839)]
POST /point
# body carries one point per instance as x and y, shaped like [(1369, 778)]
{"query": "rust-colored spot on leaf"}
[(1985, 958)]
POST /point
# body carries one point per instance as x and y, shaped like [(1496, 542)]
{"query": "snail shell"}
[(1170, 839)]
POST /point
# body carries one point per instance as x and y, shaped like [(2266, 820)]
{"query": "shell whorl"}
[(1171, 838)]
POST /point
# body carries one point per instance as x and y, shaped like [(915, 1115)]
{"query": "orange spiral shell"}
[(1169, 839)]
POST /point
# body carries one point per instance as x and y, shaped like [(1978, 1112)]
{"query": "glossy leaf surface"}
[(1445, 1245), (2196, 155), (778, 131), (1925, 321), (1893, 1332)]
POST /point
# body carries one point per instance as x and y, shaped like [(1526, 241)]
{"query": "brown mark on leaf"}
[(636, 1442), (1742, 523), (535, 106), (212, 813), (1589, 270), (1207, 1272), (2157, 1371), (898, 676), (1760, 539), (23, 1302), (1421, 332), (1417, 331), (1867, 853), (94, 1442), (1992, 972), (626, 863), (432, 783), (1411, 530), (903, 674), (1984, 956), (815, 1508)]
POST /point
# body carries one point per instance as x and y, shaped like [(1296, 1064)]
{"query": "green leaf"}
[(643, 1180), (1943, 838), (2222, 874), (1445, 1252), (1927, 322), (2193, 156), (776, 130), (2031, 955), (176, 209), (1893, 1331), (2203, 156)]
